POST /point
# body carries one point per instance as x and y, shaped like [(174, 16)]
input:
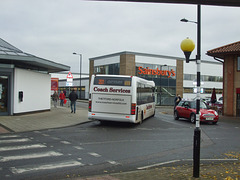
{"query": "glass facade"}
[(193, 77), (107, 69), (165, 80)]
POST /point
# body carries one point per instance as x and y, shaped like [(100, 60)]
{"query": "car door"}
[(180, 108), (186, 111)]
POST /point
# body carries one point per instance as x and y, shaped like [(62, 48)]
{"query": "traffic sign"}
[(69, 84), (69, 76)]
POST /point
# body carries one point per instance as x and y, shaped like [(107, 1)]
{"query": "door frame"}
[(9, 73)]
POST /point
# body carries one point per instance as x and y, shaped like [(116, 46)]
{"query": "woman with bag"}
[(62, 97)]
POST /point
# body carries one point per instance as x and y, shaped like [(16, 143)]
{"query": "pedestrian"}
[(177, 100), (62, 97), (73, 98), (55, 98)]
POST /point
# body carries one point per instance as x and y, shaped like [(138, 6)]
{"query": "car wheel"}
[(193, 118), (176, 117)]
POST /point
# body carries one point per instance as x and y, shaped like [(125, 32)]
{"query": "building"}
[(172, 75), (25, 82), (84, 90), (231, 76)]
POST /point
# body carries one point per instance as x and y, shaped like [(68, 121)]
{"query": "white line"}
[(113, 162), (159, 164), (9, 136), (45, 167), (78, 147), (32, 146), (30, 156), (94, 154), (14, 140), (65, 142)]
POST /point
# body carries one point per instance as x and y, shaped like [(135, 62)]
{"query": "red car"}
[(187, 109)]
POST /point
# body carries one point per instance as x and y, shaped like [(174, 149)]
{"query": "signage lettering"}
[(111, 89), (156, 72)]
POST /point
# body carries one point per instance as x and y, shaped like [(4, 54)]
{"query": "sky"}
[(54, 29)]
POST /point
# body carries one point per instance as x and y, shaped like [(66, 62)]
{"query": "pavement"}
[(62, 117)]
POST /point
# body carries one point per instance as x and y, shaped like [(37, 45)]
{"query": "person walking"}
[(62, 97), (177, 100), (55, 98), (73, 98)]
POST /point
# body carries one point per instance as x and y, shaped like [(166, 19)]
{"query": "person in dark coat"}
[(73, 98), (177, 100)]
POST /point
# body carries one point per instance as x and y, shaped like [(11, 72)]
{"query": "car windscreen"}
[(202, 105)]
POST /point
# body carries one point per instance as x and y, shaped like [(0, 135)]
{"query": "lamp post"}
[(187, 47), (80, 71)]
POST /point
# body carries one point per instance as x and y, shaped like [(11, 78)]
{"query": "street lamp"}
[(187, 47), (80, 71)]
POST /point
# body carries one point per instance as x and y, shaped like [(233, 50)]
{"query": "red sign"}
[(54, 84), (157, 71), (69, 75)]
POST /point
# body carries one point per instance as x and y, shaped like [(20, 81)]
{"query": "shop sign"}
[(54, 84), (157, 72)]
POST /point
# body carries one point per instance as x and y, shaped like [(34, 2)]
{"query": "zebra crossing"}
[(20, 155)]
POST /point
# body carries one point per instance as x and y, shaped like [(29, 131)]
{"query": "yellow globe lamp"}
[(187, 46)]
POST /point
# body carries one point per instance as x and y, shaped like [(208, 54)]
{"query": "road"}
[(95, 148)]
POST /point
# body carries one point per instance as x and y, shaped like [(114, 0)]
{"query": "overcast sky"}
[(54, 29)]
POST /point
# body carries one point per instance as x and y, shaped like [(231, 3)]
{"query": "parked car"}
[(218, 106), (187, 109)]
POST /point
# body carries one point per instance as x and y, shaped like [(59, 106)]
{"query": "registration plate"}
[(209, 119)]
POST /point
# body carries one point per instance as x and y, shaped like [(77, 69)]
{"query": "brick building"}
[(230, 54)]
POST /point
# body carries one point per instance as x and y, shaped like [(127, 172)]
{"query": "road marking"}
[(15, 140), (10, 148), (9, 136), (65, 142), (95, 154), (158, 164), (78, 147), (30, 156), (21, 170), (113, 162)]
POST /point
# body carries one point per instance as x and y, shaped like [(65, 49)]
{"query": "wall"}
[(36, 89), (127, 64), (179, 77)]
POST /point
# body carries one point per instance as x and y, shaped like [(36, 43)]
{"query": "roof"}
[(12, 55), (136, 53), (203, 2), (221, 52), (147, 55)]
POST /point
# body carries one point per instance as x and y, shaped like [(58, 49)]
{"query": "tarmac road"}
[(99, 149)]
